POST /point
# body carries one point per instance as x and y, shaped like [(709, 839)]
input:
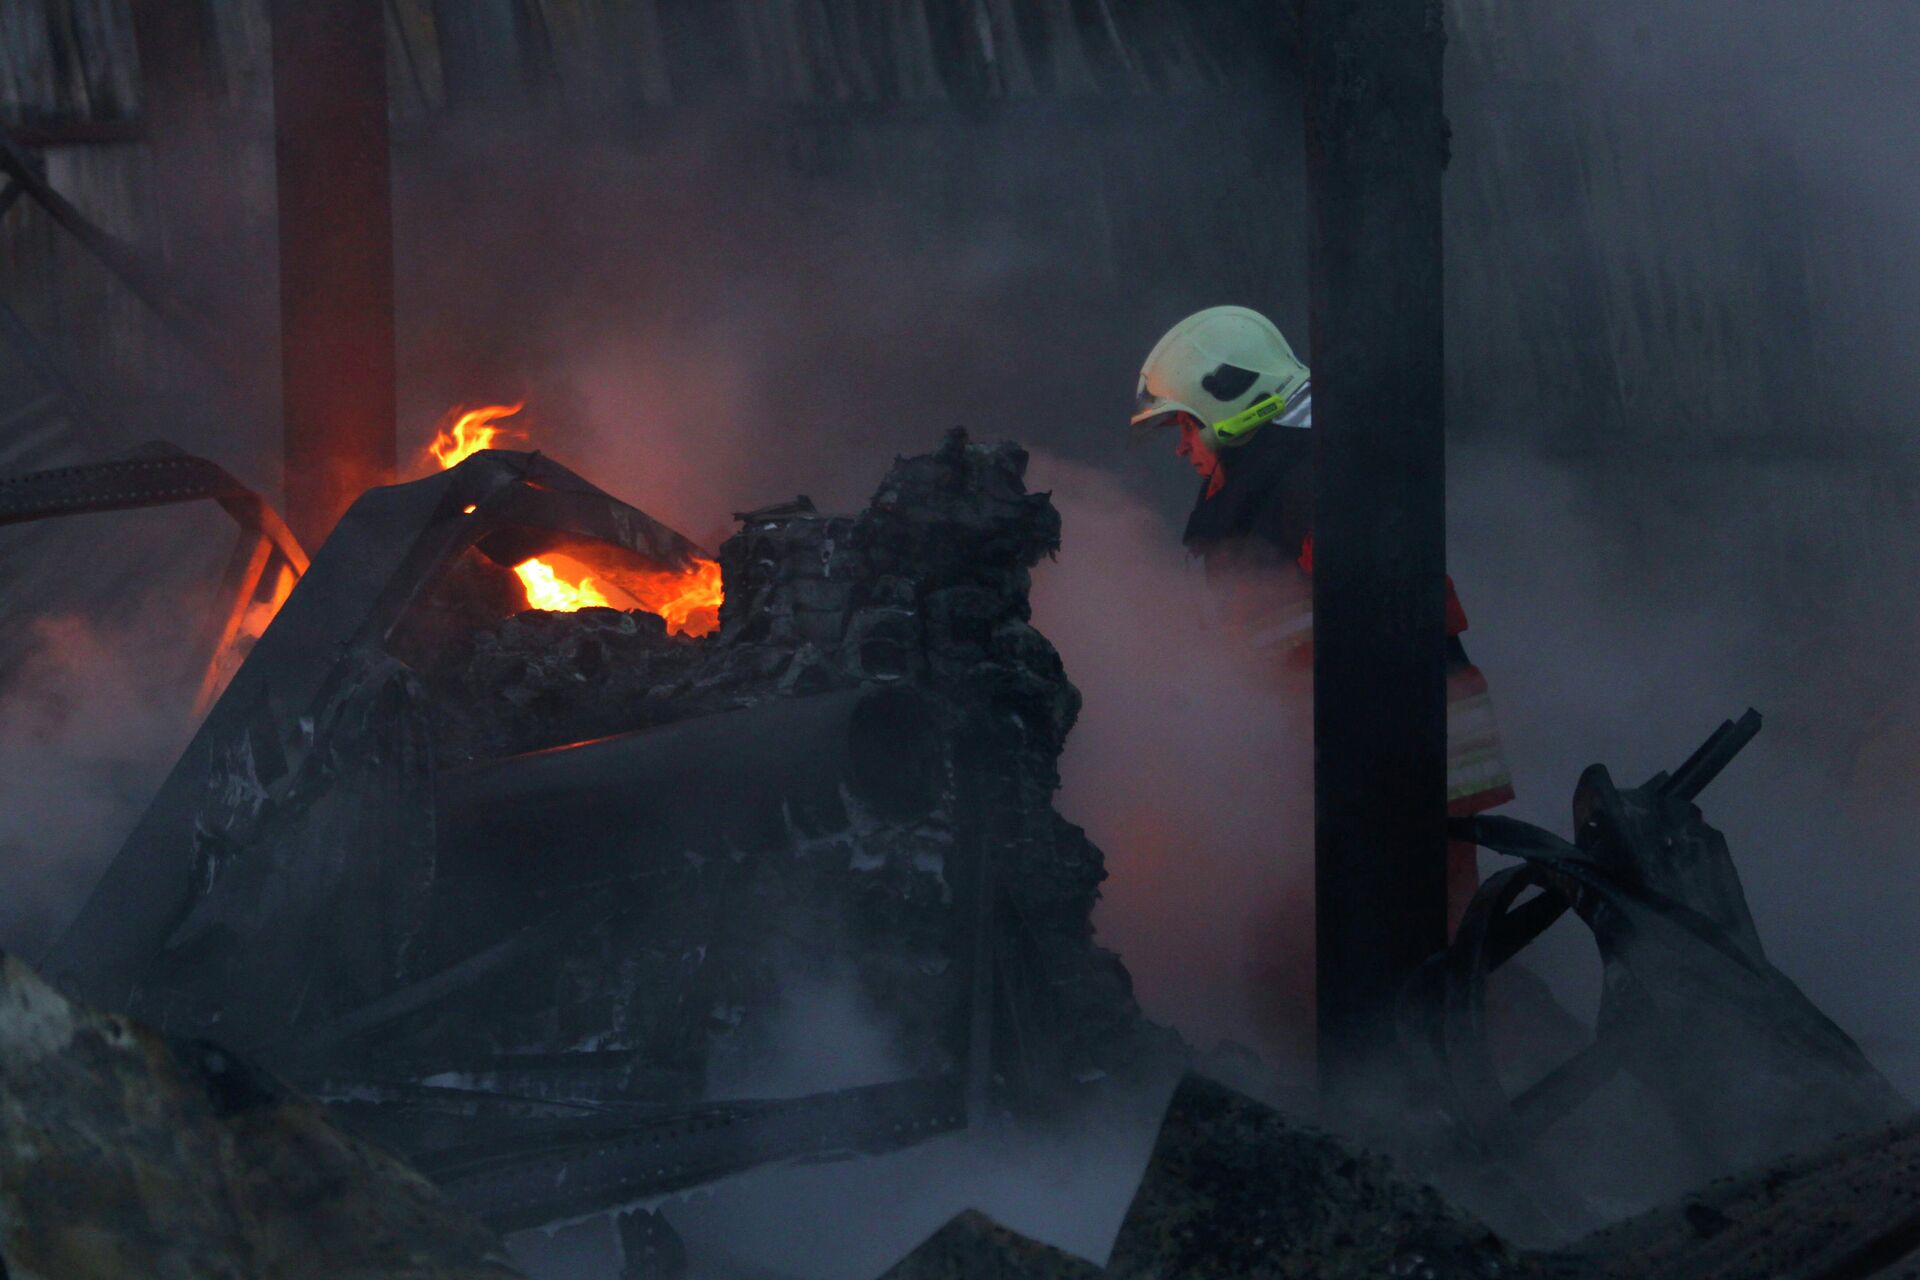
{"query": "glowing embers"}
[(689, 599)]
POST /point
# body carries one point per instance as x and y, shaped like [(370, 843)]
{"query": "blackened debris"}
[(1847, 1210), (974, 1245), (1235, 1189), (130, 1154), (836, 807)]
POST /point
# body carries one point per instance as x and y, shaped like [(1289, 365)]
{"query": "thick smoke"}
[(721, 315), (1728, 516), (851, 1220), (97, 705), (716, 315), (1191, 767), (823, 1035)]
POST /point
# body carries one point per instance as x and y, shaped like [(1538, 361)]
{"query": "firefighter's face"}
[(1194, 449)]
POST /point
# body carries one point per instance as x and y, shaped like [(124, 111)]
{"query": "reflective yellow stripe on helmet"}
[(1257, 414)]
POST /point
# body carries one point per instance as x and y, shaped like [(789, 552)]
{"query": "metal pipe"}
[(747, 778)]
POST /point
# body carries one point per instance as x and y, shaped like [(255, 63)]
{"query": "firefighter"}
[(1242, 404)]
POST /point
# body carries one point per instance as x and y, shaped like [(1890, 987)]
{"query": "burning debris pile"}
[(686, 598), (511, 888), (909, 621)]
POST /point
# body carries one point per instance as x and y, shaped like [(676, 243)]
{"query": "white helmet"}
[(1231, 369)]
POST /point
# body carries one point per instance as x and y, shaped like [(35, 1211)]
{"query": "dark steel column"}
[(336, 256), (1376, 142)]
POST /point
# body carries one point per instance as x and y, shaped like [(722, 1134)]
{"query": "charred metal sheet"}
[(315, 1043), (278, 870), (389, 549)]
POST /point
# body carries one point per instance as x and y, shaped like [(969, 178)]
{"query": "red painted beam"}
[(336, 256)]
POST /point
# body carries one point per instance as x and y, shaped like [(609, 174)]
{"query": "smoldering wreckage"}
[(457, 918)]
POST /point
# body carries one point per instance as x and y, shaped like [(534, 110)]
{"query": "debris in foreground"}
[(131, 1154), (1742, 1067), (1235, 1188), (1849, 1211), (973, 1244)]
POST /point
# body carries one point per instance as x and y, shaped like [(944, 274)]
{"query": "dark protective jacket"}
[(1261, 518), (1267, 494)]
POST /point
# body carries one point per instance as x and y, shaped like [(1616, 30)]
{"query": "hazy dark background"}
[(1684, 258)]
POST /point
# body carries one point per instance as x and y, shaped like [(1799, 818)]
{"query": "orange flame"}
[(473, 431), (547, 590), (689, 600), (247, 620)]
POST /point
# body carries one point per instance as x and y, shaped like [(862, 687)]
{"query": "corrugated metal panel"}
[(75, 60), (909, 46)]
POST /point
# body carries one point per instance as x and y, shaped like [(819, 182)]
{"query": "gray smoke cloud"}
[(97, 701), (1191, 767)]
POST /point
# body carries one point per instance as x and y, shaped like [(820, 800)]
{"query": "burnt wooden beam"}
[(338, 376), (1376, 145)]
